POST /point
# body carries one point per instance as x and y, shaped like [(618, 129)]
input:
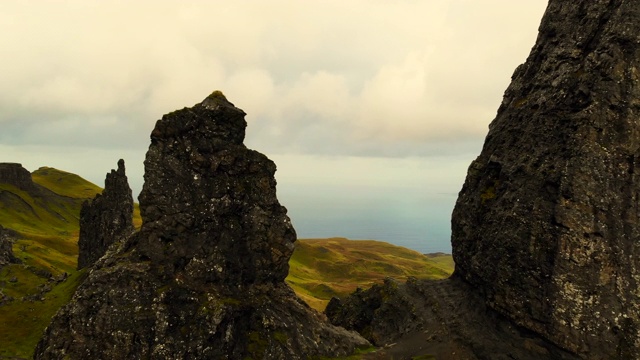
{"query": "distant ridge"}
[(45, 201), (40, 211)]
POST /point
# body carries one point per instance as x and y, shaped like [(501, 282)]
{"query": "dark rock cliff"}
[(204, 276), (106, 218), (547, 225), (14, 174)]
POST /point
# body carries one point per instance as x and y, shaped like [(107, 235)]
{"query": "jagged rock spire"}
[(106, 218), (204, 276)]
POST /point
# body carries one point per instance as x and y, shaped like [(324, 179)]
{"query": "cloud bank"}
[(376, 105), (362, 78)]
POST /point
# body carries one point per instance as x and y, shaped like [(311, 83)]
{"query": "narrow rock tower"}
[(204, 276), (106, 218), (547, 225)]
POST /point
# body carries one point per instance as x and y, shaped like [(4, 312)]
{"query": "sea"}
[(418, 221)]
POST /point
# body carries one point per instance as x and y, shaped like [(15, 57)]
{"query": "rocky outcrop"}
[(382, 314), (106, 218), (7, 237), (14, 174), (441, 319), (547, 225), (204, 276)]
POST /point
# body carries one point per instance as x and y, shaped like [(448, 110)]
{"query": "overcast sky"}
[(382, 95)]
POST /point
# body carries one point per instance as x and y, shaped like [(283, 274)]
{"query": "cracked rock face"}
[(204, 276), (547, 225), (106, 218)]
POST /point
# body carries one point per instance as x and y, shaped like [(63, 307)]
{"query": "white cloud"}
[(365, 78)]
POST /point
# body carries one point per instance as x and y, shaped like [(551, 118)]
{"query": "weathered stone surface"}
[(547, 225), (7, 237), (106, 218), (207, 196), (204, 276)]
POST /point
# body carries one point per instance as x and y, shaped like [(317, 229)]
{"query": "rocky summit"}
[(204, 276), (106, 218), (547, 225)]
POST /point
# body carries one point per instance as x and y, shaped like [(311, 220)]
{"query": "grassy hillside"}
[(52, 211), (48, 224), (47, 221), (65, 184), (323, 268)]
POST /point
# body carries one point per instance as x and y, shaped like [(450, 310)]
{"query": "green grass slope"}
[(47, 221), (65, 184), (52, 211), (323, 268)]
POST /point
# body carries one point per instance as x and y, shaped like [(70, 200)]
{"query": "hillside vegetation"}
[(47, 221), (65, 184), (47, 277), (323, 268)]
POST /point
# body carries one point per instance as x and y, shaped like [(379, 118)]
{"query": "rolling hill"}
[(46, 218), (323, 268)]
